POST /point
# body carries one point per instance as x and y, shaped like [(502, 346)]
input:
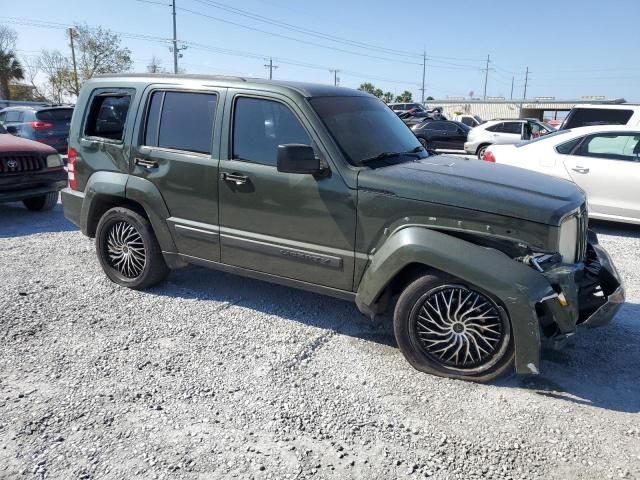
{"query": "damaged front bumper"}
[(588, 294)]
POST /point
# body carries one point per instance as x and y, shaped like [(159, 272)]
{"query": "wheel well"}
[(398, 283), (100, 206), (486, 144)]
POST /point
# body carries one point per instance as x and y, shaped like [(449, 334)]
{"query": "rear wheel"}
[(481, 150), (128, 250), (447, 328), (41, 202)]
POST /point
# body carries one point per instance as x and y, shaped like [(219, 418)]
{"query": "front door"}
[(178, 152), (607, 167), (297, 226)]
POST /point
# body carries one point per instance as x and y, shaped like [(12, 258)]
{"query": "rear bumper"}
[(72, 205), (471, 147), (19, 187)]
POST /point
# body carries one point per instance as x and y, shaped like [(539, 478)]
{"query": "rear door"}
[(607, 167), (508, 133), (177, 150)]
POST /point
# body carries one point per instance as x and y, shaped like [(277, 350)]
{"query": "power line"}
[(306, 31)]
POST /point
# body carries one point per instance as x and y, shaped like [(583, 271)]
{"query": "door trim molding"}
[(268, 248)]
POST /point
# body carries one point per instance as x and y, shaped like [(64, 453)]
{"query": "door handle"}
[(146, 163), (234, 177), (580, 169)]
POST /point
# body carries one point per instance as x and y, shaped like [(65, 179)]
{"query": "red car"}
[(30, 172)]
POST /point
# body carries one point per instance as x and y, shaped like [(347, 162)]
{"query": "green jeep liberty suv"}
[(325, 189)]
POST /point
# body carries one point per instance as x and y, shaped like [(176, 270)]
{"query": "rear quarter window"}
[(58, 114), (108, 115), (584, 117)]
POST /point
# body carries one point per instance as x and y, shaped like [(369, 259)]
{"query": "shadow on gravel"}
[(312, 309), (599, 367), (17, 221)]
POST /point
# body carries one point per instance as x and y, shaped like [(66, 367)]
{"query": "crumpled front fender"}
[(517, 286)]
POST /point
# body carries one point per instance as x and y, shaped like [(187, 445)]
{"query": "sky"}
[(572, 48)]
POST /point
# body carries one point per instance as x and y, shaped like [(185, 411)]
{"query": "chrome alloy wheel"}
[(125, 249), (459, 328)]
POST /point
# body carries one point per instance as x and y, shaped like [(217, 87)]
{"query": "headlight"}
[(54, 161), (568, 241)]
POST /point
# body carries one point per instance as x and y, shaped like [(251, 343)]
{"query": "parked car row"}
[(603, 160), (45, 124)]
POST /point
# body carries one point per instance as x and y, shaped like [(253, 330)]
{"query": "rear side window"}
[(181, 121), (57, 114), (259, 126), (513, 127), (13, 116), (611, 146), (583, 117), (107, 116), (498, 127)]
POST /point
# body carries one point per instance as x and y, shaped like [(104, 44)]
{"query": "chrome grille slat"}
[(13, 163)]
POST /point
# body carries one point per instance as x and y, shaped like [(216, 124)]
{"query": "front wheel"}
[(41, 203), (128, 250), (447, 328)]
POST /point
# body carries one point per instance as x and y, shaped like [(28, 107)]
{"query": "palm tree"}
[(10, 69)]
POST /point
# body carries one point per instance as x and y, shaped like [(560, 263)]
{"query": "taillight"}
[(71, 168), (41, 125), (489, 156)]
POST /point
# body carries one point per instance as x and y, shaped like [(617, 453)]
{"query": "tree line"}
[(387, 97)]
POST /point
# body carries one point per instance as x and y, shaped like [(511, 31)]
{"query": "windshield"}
[(543, 138), (363, 127)]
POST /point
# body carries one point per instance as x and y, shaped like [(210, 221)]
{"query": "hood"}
[(477, 185), (11, 143)]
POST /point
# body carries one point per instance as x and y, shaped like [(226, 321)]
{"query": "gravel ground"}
[(216, 376)]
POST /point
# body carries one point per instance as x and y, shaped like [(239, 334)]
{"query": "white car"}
[(603, 160), (502, 132)]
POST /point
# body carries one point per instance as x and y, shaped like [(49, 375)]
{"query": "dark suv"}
[(44, 124), (325, 189)]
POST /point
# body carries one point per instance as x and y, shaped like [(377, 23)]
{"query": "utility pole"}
[(512, 80), (424, 72), (526, 82), (335, 76), (175, 38), (486, 77), (271, 67), (73, 59)]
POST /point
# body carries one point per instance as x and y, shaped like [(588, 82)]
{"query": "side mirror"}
[(12, 129), (294, 158)]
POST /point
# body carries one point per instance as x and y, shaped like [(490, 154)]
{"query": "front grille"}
[(20, 163), (583, 227)]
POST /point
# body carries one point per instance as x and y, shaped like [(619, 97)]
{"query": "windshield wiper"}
[(385, 155)]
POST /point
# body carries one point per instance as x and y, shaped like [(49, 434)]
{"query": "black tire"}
[(41, 202), (481, 150), (128, 249), (419, 348)]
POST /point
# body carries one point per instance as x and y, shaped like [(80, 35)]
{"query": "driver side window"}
[(260, 125)]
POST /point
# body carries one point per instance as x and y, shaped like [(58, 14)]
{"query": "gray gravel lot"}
[(216, 376)]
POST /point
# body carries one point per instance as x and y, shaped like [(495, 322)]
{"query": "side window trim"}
[(233, 124), (107, 92)]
